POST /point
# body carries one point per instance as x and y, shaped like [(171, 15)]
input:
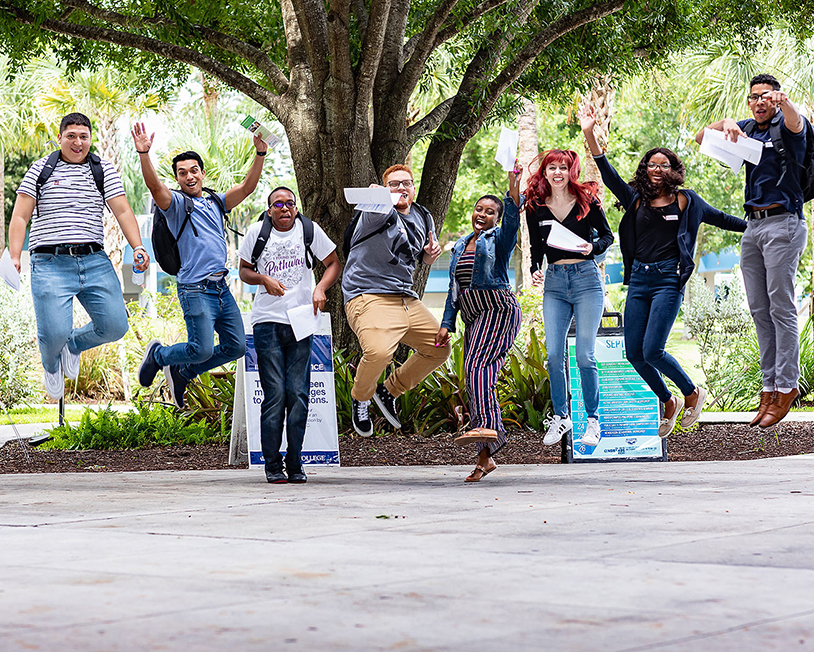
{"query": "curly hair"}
[(539, 189), (671, 180)]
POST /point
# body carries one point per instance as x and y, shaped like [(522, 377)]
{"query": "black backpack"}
[(806, 170), (165, 244), (390, 221), (48, 169), (265, 231)]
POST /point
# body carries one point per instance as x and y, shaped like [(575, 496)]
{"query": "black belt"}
[(69, 249), (766, 212)]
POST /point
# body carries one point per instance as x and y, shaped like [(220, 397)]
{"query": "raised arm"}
[(246, 187), (587, 122), (162, 195)]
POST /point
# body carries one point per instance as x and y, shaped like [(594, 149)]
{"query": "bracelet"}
[(146, 151), (135, 249), (261, 153)]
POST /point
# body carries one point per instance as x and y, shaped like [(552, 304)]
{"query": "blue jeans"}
[(573, 290), (653, 299), (208, 308), (55, 281), (284, 365)]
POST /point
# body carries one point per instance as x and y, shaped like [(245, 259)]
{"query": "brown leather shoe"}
[(779, 407), (766, 399), (475, 435)]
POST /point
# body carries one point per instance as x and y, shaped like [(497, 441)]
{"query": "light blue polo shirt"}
[(205, 254)]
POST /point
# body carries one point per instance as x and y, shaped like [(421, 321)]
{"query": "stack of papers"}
[(507, 149), (731, 153), (561, 238), (8, 272), (372, 200)]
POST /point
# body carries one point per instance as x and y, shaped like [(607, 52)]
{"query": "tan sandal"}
[(475, 435), (480, 472)]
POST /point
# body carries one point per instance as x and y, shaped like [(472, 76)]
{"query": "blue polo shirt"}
[(205, 254), (762, 187)]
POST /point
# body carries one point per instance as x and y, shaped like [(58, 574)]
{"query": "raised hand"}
[(141, 140), (432, 250), (587, 117)]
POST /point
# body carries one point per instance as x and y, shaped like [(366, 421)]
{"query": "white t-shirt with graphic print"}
[(284, 259)]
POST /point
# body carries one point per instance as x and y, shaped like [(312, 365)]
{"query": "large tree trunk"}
[(601, 97), (526, 152)]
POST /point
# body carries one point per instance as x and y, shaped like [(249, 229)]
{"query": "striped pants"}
[(491, 320)]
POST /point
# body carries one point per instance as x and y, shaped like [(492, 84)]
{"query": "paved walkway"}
[(595, 557)]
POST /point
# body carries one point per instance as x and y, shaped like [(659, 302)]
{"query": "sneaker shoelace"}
[(362, 410)]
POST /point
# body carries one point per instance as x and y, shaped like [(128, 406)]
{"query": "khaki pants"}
[(381, 322)]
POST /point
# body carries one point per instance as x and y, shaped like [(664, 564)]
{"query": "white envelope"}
[(372, 200), (303, 321), (561, 238), (8, 272), (507, 148), (715, 145)]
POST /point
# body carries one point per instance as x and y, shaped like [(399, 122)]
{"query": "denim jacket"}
[(493, 252)]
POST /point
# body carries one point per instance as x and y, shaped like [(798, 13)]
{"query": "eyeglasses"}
[(407, 183), (754, 97), (279, 204), (663, 166)]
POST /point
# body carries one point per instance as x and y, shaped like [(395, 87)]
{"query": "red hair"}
[(539, 189)]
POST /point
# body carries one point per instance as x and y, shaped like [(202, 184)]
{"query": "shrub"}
[(18, 345), (149, 425)]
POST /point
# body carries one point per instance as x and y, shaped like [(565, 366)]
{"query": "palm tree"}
[(105, 95), (22, 128)]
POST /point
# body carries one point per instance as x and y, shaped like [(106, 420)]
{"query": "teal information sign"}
[(628, 409)]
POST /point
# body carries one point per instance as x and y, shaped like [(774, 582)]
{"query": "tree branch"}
[(546, 37), (424, 41), (429, 122), (372, 45), (453, 30), (253, 55), (313, 23), (170, 51), (360, 11)]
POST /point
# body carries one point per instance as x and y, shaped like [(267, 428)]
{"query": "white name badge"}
[(671, 218)]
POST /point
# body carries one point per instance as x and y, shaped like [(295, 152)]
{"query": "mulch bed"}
[(706, 443)]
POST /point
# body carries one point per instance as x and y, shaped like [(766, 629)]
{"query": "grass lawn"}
[(40, 415), (686, 352)]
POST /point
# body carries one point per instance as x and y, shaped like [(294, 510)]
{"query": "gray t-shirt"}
[(384, 263)]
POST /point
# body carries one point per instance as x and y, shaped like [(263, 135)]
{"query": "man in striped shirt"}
[(67, 253)]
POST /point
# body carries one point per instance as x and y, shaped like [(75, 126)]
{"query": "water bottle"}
[(138, 277)]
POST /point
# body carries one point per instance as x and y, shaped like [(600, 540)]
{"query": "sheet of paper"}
[(507, 149), (715, 145), (372, 200), (561, 238), (8, 272), (303, 321)]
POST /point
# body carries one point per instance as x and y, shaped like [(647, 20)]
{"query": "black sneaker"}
[(149, 368), (177, 384), (276, 477), (386, 402), (361, 418), (297, 477)]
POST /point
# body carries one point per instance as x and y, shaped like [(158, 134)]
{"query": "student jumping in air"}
[(573, 287), (657, 236), (479, 289)]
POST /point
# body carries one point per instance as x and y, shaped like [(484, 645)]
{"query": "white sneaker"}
[(592, 433), (69, 362), (559, 426), (55, 384)]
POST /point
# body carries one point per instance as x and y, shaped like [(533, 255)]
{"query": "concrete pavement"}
[(613, 557)]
